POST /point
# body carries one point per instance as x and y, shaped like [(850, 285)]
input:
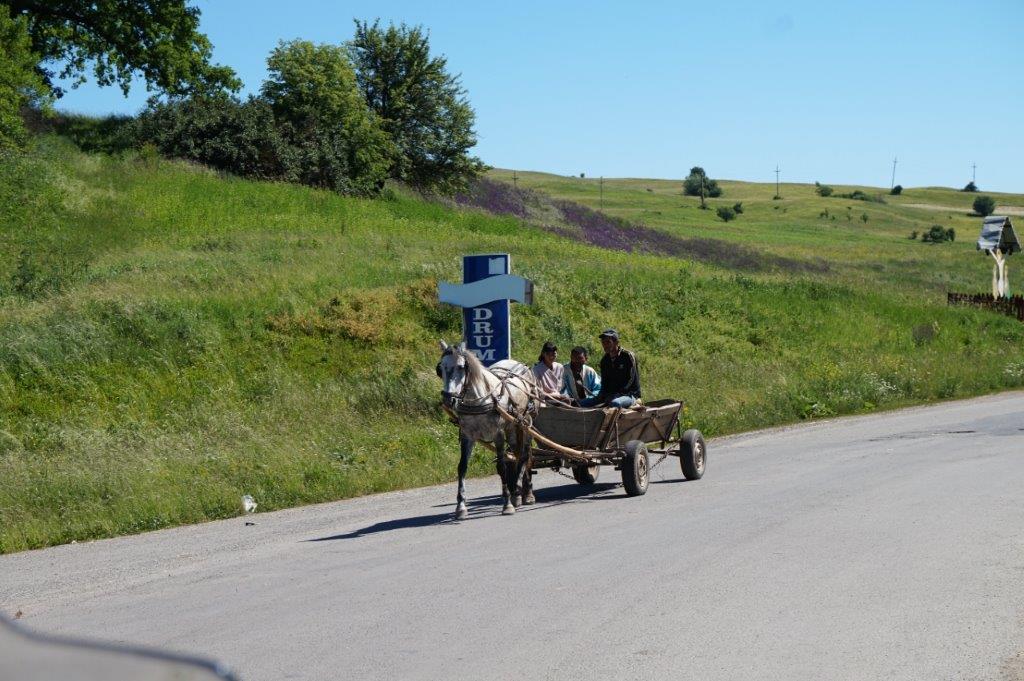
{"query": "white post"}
[(1000, 285)]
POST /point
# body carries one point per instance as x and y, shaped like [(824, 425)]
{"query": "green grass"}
[(171, 339)]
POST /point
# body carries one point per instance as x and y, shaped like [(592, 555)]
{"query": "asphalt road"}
[(881, 547)]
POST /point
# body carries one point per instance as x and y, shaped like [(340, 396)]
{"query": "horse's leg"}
[(507, 481), (466, 445), (525, 464)]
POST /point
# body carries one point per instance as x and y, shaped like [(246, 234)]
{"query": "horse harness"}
[(489, 402)]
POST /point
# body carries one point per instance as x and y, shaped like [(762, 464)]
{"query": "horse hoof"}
[(529, 499), (515, 501), (461, 513), (508, 510)]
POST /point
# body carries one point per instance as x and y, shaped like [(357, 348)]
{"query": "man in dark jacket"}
[(620, 375)]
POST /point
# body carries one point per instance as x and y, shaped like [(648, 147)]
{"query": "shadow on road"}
[(546, 497), (388, 525)]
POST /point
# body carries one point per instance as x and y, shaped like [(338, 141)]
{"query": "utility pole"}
[(702, 206), (776, 180), (515, 180), (893, 183), (974, 169), (602, 192)]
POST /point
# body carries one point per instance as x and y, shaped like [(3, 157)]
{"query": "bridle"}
[(484, 404)]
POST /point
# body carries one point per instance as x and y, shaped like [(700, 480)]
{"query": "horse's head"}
[(452, 371)]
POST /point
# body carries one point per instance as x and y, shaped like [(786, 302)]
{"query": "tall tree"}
[(157, 39), (422, 107), (20, 85), (320, 110)]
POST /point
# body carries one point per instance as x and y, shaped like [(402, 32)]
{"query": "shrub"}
[(970, 187), (938, 234), (864, 218), (697, 179), (737, 207), (725, 213), (897, 190), (822, 189), (222, 132), (984, 206), (108, 134), (858, 195), (913, 235)]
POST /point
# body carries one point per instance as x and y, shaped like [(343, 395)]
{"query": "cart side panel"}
[(652, 424), (572, 427)]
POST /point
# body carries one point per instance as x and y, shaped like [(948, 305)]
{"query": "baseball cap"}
[(610, 333)]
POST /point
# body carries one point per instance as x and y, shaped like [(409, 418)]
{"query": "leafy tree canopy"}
[(313, 92), (984, 205), (420, 105), (698, 181), (157, 39), (20, 85)]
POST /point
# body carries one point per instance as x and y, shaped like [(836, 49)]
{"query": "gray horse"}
[(474, 395)]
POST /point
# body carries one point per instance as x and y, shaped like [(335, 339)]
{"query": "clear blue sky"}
[(830, 91)]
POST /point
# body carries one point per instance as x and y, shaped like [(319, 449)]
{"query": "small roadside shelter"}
[(999, 240)]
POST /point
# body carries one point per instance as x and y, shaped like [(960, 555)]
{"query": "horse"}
[(474, 395)]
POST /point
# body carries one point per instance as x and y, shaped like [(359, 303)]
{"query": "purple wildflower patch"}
[(585, 224), (495, 197), (606, 231)]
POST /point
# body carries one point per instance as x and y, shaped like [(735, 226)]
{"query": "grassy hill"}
[(171, 339)]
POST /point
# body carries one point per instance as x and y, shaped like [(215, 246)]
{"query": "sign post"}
[(487, 289)]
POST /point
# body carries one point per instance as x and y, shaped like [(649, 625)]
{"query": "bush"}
[(725, 213), (698, 178), (237, 137), (109, 134), (738, 207), (938, 234), (864, 218), (858, 195), (897, 190), (970, 187), (984, 206), (310, 125), (822, 189), (913, 235)]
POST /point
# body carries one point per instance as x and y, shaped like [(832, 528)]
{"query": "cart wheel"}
[(693, 454), (635, 468), (586, 475)]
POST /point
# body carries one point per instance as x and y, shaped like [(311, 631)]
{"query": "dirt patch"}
[(1000, 210), (1012, 668)]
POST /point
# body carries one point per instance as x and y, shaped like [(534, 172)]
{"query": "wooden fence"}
[(1012, 306)]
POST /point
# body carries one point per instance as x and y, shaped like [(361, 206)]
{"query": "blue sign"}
[(487, 326)]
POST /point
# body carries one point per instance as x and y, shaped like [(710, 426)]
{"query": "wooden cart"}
[(623, 438)]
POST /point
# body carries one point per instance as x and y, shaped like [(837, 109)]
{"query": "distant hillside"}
[(171, 339)]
